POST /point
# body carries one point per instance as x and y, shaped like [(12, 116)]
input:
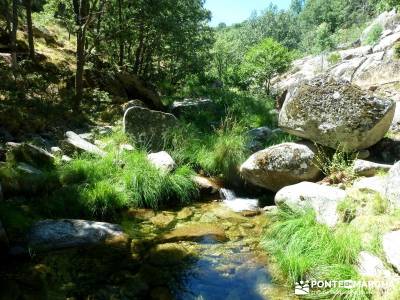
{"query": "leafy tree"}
[(267, 60)]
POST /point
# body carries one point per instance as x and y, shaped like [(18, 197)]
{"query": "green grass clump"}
[(304, 249), (104, 186), (397, 50), (334, 58), (373, 35)]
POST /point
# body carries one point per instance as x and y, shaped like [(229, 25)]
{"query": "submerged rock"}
[(336, 114), (307, 195), (195, 232), (148, 126), (78, 143), (281, 165), (50, 235), (391, 248), (162, 161), (163, 219)]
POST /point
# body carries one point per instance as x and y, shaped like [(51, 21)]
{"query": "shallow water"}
[(205, 251)]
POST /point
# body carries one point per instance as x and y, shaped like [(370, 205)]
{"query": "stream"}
[(208, 250)]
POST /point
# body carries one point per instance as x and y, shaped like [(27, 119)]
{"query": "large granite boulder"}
[(307, 195), (281, 165), (148, 126), (50, 235), (336, 113)]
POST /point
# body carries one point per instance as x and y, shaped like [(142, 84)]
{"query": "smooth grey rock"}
[(336, 113), (355, 52), (387, 42), (281, 165), (188, 106), (258, 137), (56, 150), (371, 266), (376, 184), (307, 195), (368, 168), (58, 234), (81, 144), (162, 161), (28, 169), (392, 188), (391, 248), (148, 126), (206, 184)]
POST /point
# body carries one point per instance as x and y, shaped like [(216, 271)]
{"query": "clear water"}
[(232, 276)]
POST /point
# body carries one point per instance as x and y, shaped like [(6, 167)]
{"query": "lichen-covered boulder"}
[(148, 126), (336, 113), (281, 165)]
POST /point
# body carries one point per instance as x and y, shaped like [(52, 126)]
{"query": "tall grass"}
[(304, 249), (102, 187)]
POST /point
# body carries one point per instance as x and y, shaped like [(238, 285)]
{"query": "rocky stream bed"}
[(204, 251)]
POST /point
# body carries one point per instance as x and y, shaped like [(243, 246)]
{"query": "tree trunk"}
[(28, 6), (82, 13), (121, 40), (14, 34)]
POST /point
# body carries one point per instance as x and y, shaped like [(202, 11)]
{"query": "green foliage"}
[(266, 60), (373, 35), (397, 50), (334, 58), (304, 249), (337, 166), (126, 180)]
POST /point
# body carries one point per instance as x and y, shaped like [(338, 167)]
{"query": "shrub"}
[(397, 50), (337, 166), (374, 34), (334, 58)]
